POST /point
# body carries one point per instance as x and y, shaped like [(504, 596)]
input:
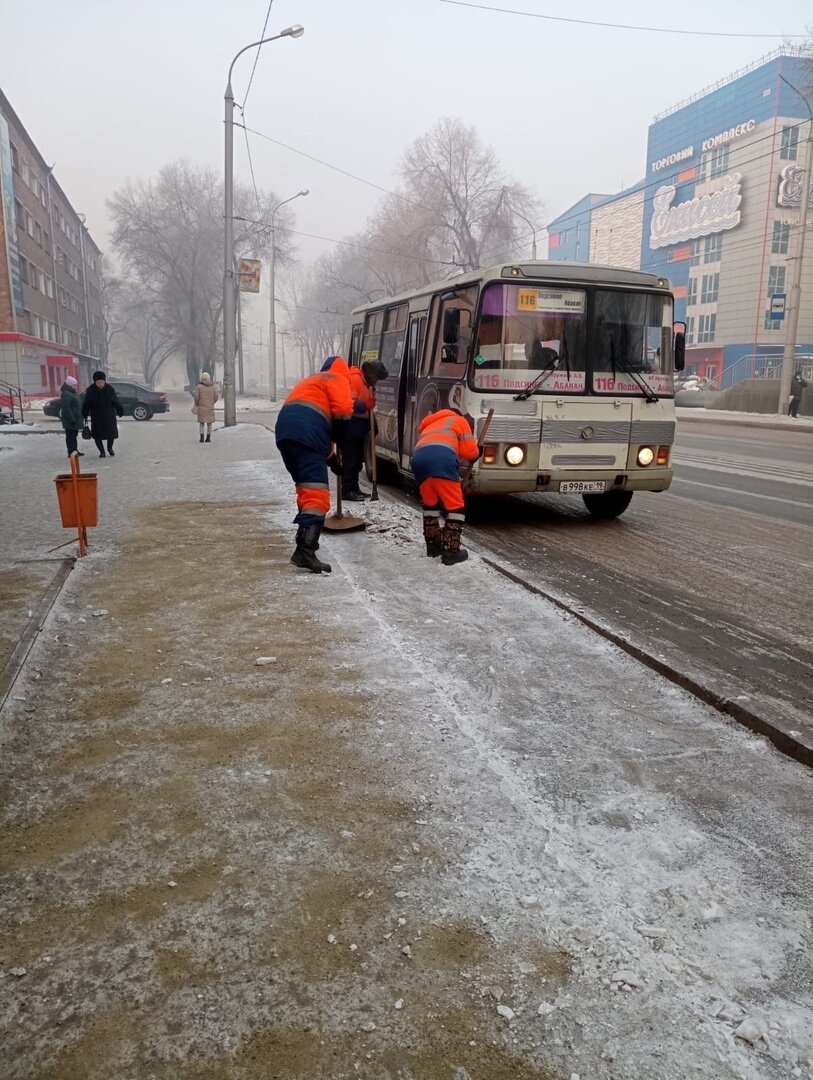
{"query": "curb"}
[(12, 430), (696, 416), (14, 664), (784, 742)]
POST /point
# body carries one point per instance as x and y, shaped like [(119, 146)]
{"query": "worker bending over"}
[(363, 381), (315, 415), (445, 439)]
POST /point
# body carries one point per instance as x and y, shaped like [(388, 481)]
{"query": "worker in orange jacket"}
[(316, 414), (363, 381), (444, 440)]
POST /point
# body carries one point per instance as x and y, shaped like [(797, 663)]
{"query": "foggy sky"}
[(114, 89)]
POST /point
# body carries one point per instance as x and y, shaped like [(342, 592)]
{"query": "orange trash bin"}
[(88, 500)]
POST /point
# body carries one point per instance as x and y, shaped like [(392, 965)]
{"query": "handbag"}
[(86, 432)]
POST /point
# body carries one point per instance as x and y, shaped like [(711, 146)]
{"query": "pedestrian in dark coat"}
[(102, 405), (70, 413), (797, 389)]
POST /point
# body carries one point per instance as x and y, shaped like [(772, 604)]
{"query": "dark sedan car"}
[(137, 401)]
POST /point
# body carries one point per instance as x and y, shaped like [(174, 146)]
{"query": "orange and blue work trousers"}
[(308, 469), (436, 468), (439, 493)]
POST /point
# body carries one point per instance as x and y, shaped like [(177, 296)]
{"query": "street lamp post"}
[(272, 326), (229, 329), (792, 324)]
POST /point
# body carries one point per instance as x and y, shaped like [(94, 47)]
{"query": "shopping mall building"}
[(718, 214)]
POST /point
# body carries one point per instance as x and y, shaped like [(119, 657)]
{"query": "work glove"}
[(333, 461), (359, 408)]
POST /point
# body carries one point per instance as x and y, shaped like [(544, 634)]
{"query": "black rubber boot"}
[(354, 495), (208, 438), (201, 438), (307, 543), (452, 551), (432, 534)]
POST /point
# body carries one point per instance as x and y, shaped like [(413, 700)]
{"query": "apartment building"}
[(718, 214), (51, 313)]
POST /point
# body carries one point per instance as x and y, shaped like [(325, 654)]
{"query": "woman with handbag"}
[(103, 407), (70, 413), (205, 398)]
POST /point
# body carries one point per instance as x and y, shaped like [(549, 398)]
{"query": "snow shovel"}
[(373, 464), (340, 522)]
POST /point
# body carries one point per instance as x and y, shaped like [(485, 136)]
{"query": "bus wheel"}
[(609, 505)]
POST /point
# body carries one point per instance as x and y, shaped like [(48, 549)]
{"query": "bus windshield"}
[(633, 334), (525, 329)]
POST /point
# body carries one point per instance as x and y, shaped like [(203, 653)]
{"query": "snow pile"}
[(252, 404)]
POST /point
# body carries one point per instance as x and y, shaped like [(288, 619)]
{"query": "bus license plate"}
[(581, 487)]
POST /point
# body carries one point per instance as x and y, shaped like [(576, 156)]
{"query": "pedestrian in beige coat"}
[(205, 398)]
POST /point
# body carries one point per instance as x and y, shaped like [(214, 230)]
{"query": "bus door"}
[(408, 389)]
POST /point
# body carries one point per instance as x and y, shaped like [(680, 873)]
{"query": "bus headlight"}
[(514, 455), (646, 455)]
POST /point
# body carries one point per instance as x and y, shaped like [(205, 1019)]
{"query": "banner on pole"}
[(250, 275)]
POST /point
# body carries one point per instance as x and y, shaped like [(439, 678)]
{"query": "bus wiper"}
[(544, 374), (637, 377), (640, 381)]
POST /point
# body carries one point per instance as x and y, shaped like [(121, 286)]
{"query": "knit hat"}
[(205, 378), (376, 368), (99, 375), (71, 381)]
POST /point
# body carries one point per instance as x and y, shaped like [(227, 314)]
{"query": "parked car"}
[(137, 401)]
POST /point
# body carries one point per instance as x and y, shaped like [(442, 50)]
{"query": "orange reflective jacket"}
[(326, 392), (361, 393), (448, 428)]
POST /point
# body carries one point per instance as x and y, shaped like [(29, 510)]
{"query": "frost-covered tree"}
[(168, 234)]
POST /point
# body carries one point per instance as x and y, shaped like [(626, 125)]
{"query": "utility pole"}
[(272, 325), (283, 334), (241, 386), (795, 295), (229, 281), (229, 401)]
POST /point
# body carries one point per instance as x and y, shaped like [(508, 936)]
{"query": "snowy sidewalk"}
[(745, 419), (440, 831)]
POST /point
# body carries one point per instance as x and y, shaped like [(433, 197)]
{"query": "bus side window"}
[(355, 345), (393, 340), (371, 342), (450, 358), (417, 335), (426, 366)]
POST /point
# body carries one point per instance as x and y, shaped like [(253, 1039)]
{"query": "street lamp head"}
[(305, 191), (293, 31)]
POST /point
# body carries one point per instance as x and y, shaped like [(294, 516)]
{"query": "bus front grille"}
[(519, 429), (583, 459)]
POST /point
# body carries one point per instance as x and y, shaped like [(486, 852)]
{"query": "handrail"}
[(9, 390), (756, 366)]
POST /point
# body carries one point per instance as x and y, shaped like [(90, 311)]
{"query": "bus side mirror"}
[(451, 326), (679, 348)]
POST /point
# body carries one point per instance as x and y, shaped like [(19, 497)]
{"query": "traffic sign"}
[(778, 305)]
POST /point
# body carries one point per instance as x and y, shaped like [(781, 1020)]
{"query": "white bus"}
[(576, 363)]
